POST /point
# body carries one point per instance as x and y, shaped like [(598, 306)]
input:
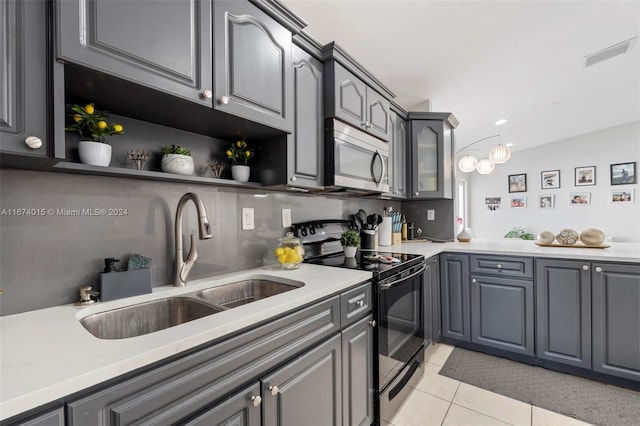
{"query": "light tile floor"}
[(441, 401)]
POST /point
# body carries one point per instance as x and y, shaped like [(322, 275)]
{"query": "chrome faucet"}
[(183, 267)]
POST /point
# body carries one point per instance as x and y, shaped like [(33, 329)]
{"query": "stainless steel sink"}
[(144, 318), (243, 292)]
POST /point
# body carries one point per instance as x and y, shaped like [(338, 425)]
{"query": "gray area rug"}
[(583, 399)]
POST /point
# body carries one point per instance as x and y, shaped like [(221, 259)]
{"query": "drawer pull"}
[(585, 267), (360, 303), (499, 266)]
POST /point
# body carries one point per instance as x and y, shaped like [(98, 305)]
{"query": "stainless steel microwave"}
[(354, 159)]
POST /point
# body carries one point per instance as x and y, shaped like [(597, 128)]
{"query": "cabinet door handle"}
[(224, 100), (33, 142), (372, 323), (416, 193), (474, 280), (256, 400), (598, 269), (293, 179), (360, 303), (585, 267), (274, 390), (499, 266), (207, 94)]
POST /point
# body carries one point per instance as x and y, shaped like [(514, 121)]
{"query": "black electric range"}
[(398, 312)]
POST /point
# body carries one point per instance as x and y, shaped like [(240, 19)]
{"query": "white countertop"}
[(47, 354), (618, 252)]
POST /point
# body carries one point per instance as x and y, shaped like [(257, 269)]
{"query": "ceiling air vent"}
[(609, 52)]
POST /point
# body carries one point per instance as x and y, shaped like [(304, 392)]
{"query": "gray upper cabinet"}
[(454, 294), (306, 391), (253, 73), (616, 319), (432, 172), (397, 169), (23, 81), (351, 100), (305, 156), (164, 45), (563, 311)]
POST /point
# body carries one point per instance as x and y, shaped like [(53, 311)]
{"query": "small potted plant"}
[(176, 159), (88, 121), (239, 153), (350, 241)]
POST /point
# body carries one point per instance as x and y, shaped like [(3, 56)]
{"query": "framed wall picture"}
[(518, 183), (518, 202), (623, 173), (625, 196), (550, 179), (585, 176), (580, 198), (546, 201)]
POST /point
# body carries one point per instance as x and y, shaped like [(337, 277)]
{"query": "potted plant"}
[(176, 159), (88, 121), (239, 153), (350, 241)]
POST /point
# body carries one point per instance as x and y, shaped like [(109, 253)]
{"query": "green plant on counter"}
[(519, 233), (175, 149), (350, 239)]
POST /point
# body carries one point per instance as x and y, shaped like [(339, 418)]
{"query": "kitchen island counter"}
[(618, 252), (47, 355)]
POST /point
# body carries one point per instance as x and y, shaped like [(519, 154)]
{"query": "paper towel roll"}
[(384, 231)]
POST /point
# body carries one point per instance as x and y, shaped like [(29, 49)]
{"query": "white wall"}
[(618, 144)]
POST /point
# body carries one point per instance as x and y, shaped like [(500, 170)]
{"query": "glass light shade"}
[(500, 154), (468, 163), (485, 166)]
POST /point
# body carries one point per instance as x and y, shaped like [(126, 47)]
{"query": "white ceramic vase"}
[(95, 153), (178, 164), (465, 235), (349, 251), (240, 172)]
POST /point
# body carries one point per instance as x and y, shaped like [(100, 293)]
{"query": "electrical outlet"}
[(286, 218), (247, 219), (431, 214)]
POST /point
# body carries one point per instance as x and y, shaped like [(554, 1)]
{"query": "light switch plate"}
[(247, 219), (431, 214), (286, 218)]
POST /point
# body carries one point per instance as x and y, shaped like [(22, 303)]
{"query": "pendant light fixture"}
[(499, 154)]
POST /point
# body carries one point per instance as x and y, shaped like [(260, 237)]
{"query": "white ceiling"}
[(486, 60)]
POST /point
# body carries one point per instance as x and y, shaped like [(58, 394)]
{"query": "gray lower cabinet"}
[(454, 296), (351, 100), (357, 373), (175, 392), (306, 391), (253, 73), (563, 311), (305, 156), (241, 409), (164, 45), (23, 81), (432, 317), (502, 313), (616, 319), (49, 418)]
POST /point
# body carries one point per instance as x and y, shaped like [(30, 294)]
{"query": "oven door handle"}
[(387, 286)]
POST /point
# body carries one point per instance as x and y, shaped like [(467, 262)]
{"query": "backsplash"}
[(45, 259)]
